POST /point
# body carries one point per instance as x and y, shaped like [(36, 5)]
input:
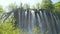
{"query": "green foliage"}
[(57, 8), (1, 9), (12, 6), (33, 7), (26, 6), (47, 4), (7, 27), (2, 12), (38, 6), (36, 30)]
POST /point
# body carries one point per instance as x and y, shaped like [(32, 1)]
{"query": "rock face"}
[(44, 22)]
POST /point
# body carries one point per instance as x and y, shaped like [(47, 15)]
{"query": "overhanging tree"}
[(57, 8), (47, 4)]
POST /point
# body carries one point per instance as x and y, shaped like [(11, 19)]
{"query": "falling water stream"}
[(41, 22)]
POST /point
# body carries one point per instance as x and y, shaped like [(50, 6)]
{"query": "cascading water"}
[(33, 22)]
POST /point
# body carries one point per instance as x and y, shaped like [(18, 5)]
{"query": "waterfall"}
[(33, 22)]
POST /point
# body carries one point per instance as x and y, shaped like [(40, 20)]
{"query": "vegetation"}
[(7, 26), (57, 8), (47, 4)]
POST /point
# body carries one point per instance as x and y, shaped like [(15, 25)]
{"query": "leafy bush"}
[(7, 27), (36, 30)]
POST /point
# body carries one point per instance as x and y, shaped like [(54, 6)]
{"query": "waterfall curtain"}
[(41, 20)]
